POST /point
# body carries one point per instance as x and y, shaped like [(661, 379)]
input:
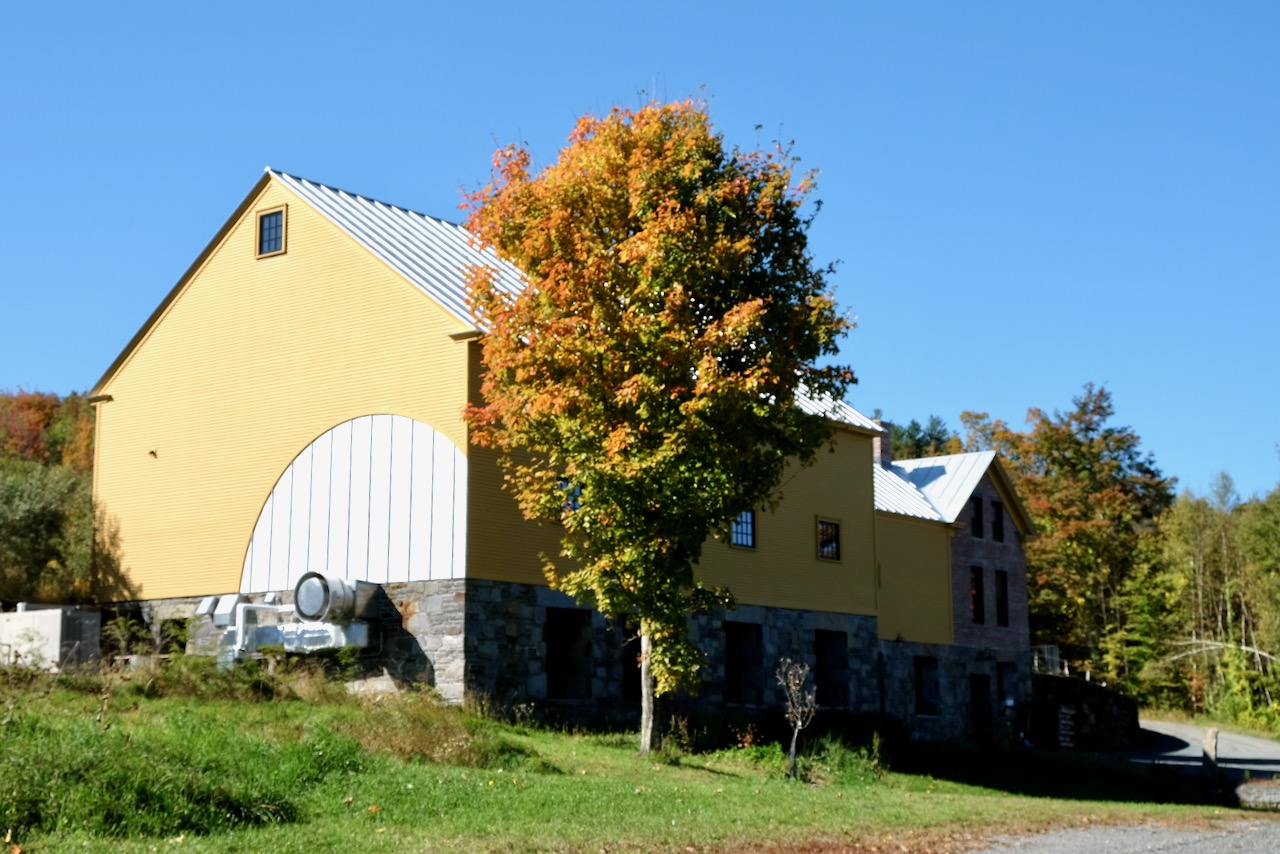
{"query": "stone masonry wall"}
[(970, 551), (1006, 711), (474, 638)]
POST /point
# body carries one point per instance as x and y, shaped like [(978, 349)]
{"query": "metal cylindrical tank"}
[(319, 596)]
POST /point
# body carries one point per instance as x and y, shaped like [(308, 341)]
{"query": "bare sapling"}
[(802, 704)]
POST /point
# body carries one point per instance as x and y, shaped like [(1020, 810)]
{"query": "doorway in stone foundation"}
[(981, 711)]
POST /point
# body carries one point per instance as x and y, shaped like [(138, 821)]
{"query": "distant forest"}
[(1171, 598)]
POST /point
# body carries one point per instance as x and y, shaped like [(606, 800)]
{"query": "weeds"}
[(414, 725), (133, 760), (72, 775)]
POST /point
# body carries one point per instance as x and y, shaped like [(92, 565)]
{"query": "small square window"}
[(271, 232), (742, 533), (828, 539)]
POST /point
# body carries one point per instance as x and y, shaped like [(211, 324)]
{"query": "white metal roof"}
[(836, 410), (435, 255), (946, 482), (431, 253), (895, 494)]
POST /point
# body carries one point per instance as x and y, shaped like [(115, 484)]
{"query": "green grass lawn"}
[(189, 759)]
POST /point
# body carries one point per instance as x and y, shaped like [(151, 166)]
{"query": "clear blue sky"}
[(1022, 197)]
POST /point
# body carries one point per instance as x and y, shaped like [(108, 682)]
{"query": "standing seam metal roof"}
[(897, 495), (431, 253), (947, 482), (435, 255)]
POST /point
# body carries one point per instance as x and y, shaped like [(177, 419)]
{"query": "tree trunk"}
[(646, 695), (791, 765)]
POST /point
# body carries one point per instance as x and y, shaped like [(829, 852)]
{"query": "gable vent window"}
[(997, 521), (271, 232)]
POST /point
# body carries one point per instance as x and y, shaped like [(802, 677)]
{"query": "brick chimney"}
[(882, 445)]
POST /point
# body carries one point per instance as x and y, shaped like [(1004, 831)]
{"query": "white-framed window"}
[(742, 531)]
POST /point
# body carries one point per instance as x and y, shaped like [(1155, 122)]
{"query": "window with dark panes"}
[(271, 232), (828, 539), (977, 595), (742, 532), (1002, 598), (997, 521), (572, 493), (975, 517)]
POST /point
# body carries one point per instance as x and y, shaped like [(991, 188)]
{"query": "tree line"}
[(1173, 598), (50, 548)]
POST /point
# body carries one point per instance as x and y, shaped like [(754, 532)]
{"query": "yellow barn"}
[(292, 411)]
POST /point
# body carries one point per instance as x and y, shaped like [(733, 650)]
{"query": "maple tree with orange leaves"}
[(1095, 498), (640, 387)]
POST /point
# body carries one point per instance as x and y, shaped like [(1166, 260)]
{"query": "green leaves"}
[(1094, 497), (672, 311)]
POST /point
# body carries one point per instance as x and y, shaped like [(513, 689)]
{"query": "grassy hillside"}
[(184, 757)]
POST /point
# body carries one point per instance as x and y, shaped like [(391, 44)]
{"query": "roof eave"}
[(856, 429), (182, 283), (1012, 501)]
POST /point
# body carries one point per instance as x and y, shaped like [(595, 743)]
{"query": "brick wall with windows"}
[(989, 568)]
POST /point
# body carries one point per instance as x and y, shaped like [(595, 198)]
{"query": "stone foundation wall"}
[(1005, 712), (422, 630), (474, 639)]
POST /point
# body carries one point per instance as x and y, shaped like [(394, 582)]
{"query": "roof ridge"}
[(280, 173)]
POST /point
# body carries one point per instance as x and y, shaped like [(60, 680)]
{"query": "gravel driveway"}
[(1243, 837), (1177, 745)]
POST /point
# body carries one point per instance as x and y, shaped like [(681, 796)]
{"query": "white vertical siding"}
[(442, 511), (357, 558), (321, 503), (379, 498), (400, 496), (339, 522), (420, 507)]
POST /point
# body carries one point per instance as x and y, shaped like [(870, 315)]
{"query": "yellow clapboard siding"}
[(784, 570), (251, 361), (915, 579), (501, 544)]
